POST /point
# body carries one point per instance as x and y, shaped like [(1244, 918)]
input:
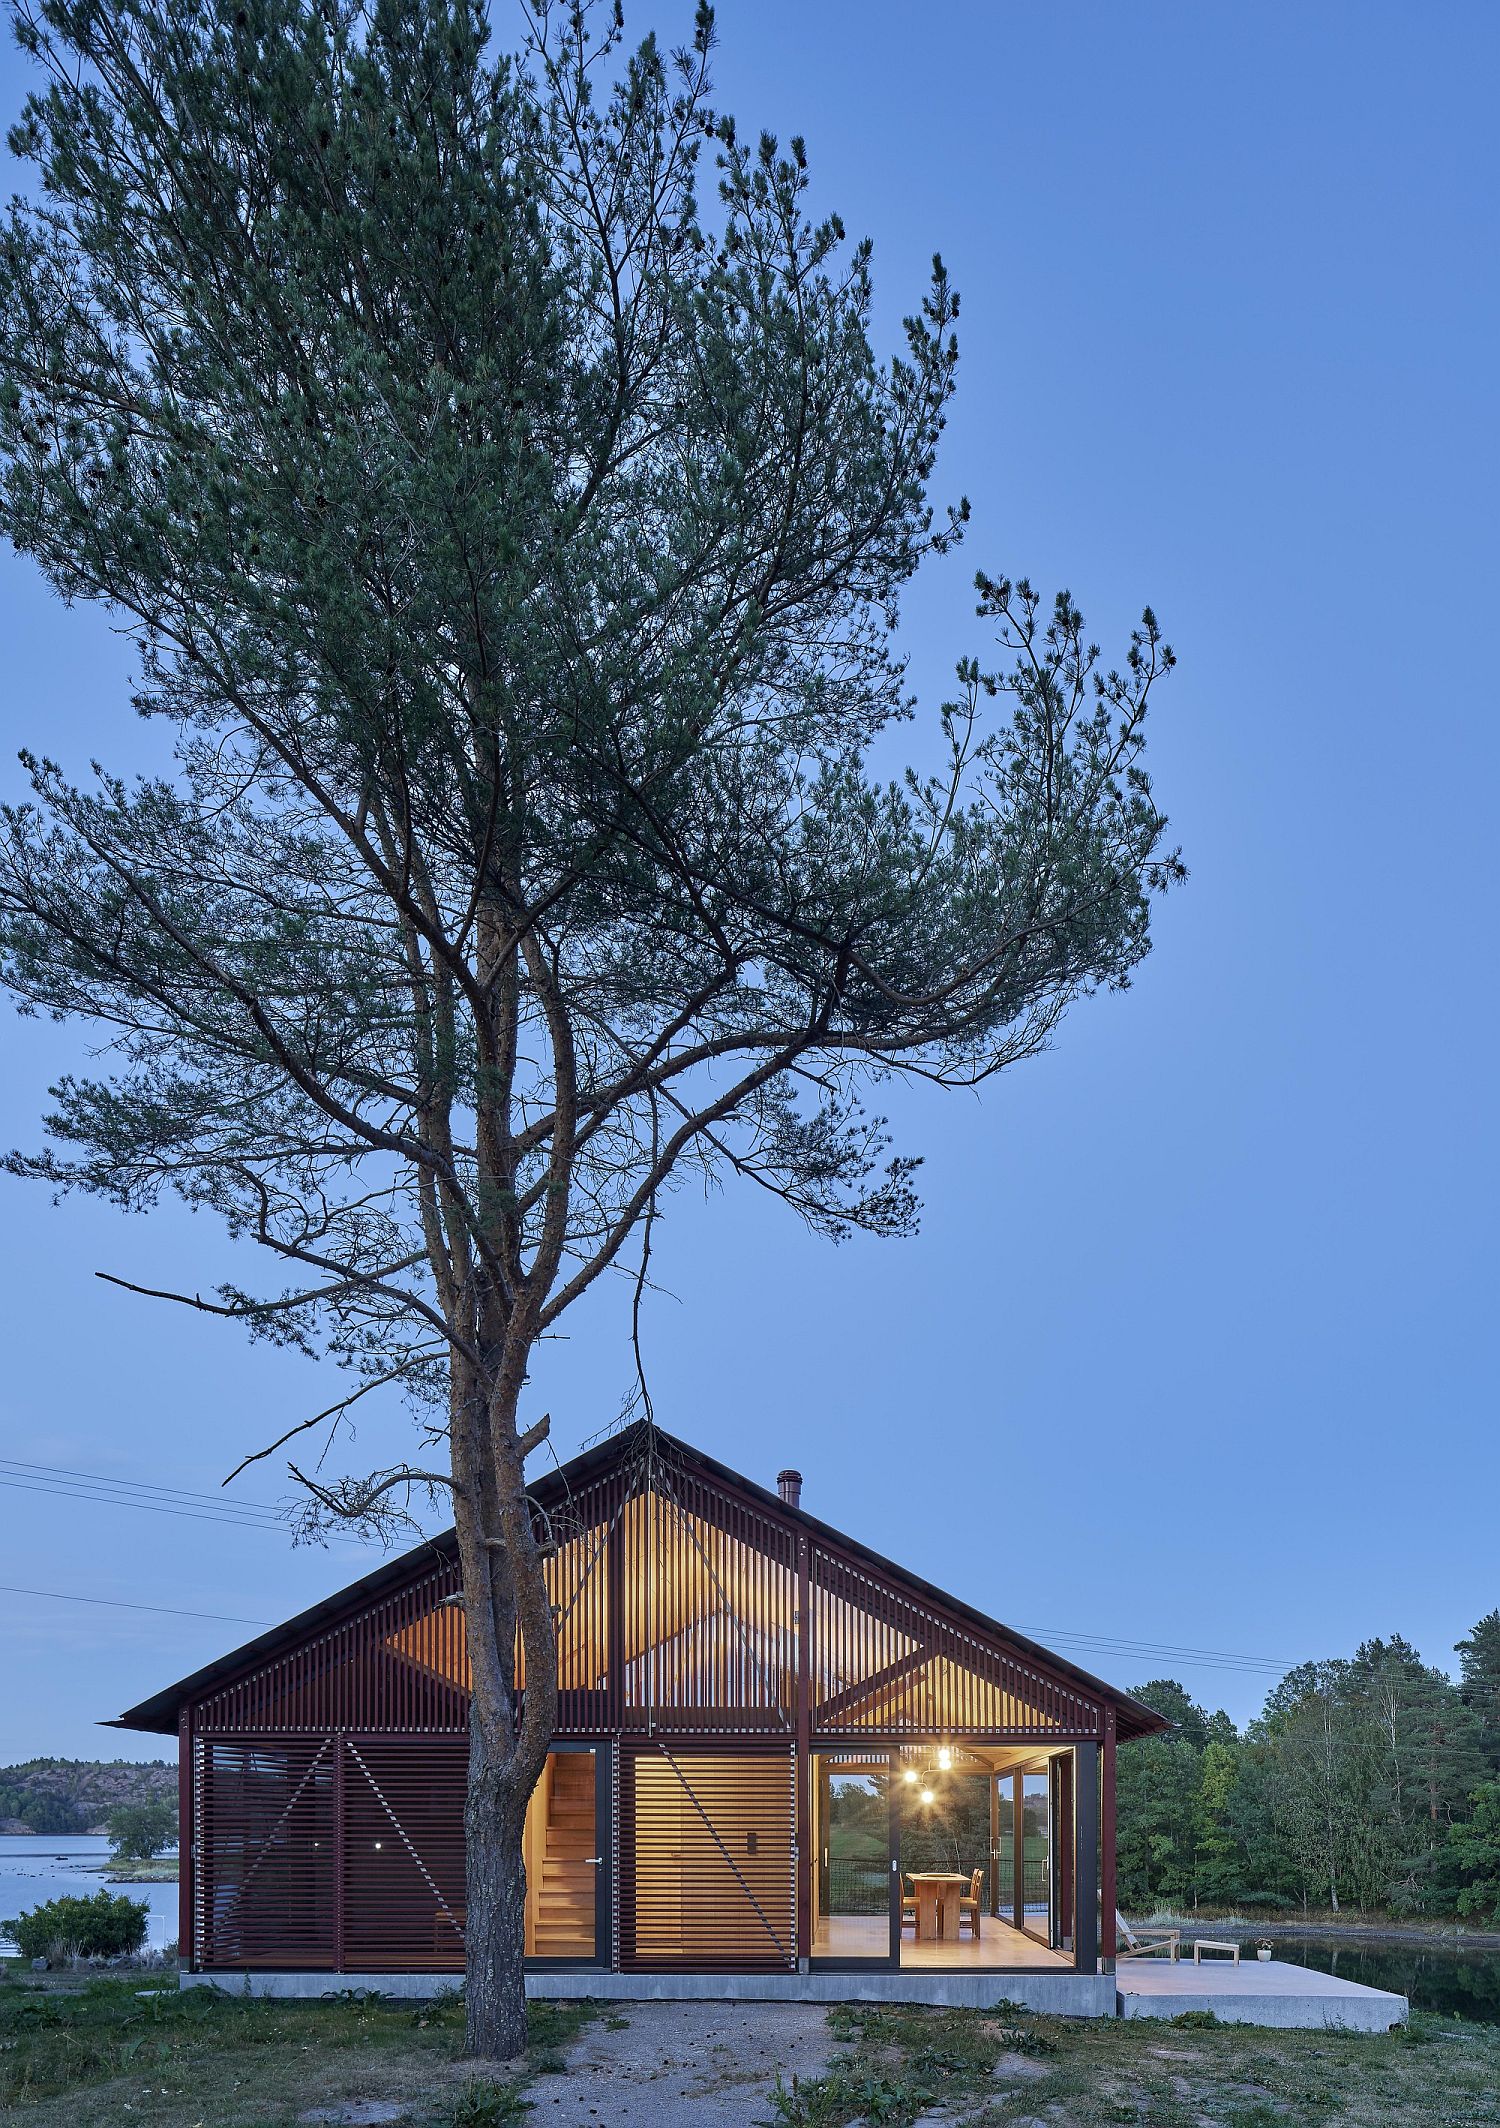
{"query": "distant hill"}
[(75, 1795)]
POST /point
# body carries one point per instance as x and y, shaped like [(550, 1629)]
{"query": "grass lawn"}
[(1060, 2073), (102, 2056)]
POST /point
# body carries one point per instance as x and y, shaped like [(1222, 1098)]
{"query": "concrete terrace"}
[(1292, 1997)]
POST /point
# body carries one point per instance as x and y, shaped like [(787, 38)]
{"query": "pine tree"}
[(513, 541), (1479, 1681)]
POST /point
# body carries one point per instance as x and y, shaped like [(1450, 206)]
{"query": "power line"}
[(59, 1470), (155, 1507), (163, 1500), (1203, 1658), (115, 1603)]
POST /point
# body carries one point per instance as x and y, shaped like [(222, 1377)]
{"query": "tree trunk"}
[(505, 1597), (495, 1924)]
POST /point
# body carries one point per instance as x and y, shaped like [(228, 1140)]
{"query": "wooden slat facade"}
[(710, 1638)]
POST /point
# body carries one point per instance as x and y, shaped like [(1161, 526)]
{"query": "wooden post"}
[(185, 1948), (806, 1859), (1108, 1888), (1086, 1858), (1065, 1848), (614, 1629), (1018, 1849), (340, 1855), (995, 1845)]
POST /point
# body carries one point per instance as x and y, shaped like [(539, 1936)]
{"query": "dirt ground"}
[(684, 2065)]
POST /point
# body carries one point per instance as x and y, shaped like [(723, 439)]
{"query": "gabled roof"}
[(161, 1711)]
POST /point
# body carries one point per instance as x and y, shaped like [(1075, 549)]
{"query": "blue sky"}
[(1197, 1343)]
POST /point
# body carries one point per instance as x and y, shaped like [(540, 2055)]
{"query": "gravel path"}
[(684, 2065)]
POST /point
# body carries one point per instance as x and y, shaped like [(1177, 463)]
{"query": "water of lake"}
[(1450, 1980), (34, 1868)]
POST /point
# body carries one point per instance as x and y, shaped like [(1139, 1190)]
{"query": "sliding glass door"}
[(856, 1911)]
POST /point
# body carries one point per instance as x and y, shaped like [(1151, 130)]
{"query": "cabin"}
[(783, 1766)]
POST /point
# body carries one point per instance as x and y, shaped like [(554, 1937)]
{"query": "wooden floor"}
[(999, 1948)]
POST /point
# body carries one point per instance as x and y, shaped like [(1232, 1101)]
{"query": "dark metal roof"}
[(160, 1712)]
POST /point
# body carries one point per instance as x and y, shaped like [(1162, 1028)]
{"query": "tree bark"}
[(495, 1925), (505, 1599)]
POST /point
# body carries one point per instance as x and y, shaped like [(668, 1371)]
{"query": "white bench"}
[(1212, 1943)]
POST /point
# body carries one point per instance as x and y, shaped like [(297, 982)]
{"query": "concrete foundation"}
[(1292, 1997), (1053, 1994)]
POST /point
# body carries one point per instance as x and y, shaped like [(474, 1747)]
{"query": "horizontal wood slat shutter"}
[(706, 1861), (403, 1855), (264, 1876)]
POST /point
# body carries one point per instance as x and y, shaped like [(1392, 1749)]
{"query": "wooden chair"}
[(972, 1906), (1144, 1943), (908, 1902)]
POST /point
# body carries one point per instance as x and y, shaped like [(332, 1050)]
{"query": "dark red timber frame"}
[(824, 1647)]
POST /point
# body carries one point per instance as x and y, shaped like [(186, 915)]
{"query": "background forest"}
[(1370, 1783)]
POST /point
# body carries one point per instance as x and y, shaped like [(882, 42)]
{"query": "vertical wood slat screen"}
[(707, 1869), (398, 1665), (705, 1584), (401, 1664), (884, 1663), (710, 1591), (334, 1853)]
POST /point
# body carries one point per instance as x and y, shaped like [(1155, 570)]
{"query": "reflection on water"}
[(1451, 1981), (42, 1866)]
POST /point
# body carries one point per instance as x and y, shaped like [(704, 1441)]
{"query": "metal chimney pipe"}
[(789, 1485)]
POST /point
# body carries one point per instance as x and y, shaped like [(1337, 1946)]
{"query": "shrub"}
[(101, 1927), (489, 2106), (141, 1830)]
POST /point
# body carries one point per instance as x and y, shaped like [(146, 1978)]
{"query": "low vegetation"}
[(108, 1925), (100, 2052), (1001, 2068), (108, 2050)]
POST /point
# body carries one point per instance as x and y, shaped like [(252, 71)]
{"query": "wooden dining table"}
[(938, 1893)]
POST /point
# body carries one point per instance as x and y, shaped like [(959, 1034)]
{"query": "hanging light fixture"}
[(908, 1774), (927, 1795), (945, 1759)]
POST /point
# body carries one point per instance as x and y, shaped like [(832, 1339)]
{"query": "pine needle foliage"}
[(490, 457)]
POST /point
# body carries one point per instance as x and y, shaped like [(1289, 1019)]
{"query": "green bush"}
[(101, 1927), (489, 2106), (141, 1830)]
